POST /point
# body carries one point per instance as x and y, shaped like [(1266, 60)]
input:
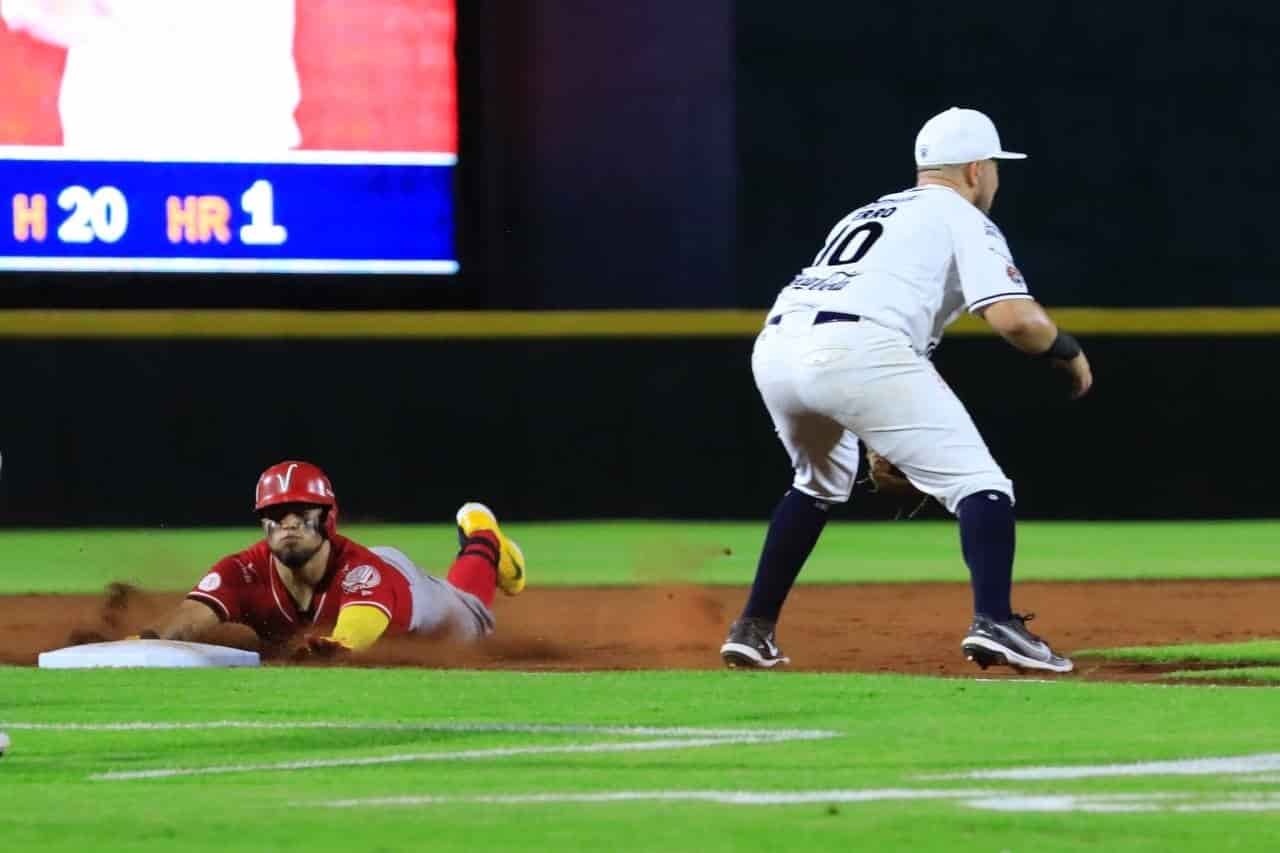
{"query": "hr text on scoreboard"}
[(101, 215)]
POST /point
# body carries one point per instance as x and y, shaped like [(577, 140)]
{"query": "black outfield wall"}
[(1148, 124), (175, 433)]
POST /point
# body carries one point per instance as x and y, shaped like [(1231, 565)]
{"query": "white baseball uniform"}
[(906, 266)]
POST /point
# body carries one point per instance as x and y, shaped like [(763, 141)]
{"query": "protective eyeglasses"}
[(308, 514)]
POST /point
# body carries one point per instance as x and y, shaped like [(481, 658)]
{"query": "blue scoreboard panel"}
[(308, 212)]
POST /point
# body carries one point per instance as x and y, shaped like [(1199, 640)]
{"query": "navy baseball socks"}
[(987, 540), (998, 636), (794, 529)]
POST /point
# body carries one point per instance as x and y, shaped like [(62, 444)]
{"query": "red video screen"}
[(156, 76)]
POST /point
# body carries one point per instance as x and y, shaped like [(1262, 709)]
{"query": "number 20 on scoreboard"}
[(102, 215)]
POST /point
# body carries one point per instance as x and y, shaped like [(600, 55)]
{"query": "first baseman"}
[(844, 357), (305, 577)]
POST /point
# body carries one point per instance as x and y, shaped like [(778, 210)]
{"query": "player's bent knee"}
[(952, 497), (817, 492)]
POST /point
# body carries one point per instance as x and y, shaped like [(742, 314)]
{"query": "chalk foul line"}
[(1235, 765), (986, 800), (640, 739), (736, 798), (401, 726), (1260, 768), (1248, 768)]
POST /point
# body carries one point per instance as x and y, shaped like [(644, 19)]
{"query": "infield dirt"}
[(904, 628)]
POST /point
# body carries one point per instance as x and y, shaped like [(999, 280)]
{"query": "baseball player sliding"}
[(304, 575), (844, 357)]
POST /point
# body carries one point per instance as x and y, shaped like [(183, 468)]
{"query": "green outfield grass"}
[(1252, 652), (883, 739), (627, 552), (1255, 661), (1249, 674), (284, 758)]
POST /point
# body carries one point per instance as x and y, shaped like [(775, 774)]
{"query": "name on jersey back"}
[(835, 281)]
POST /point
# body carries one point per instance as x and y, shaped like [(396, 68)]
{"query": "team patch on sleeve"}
[(210, 582), (1014, 275), (361, 579)]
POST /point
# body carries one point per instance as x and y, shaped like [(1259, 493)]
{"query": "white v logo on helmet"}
[(283, 479)]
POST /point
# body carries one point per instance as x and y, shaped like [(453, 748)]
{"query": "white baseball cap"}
[(959, 136)]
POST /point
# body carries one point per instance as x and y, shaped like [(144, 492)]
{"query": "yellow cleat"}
[(474, 516)]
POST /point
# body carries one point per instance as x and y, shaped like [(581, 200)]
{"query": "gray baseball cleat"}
[(750, 644), (1009, 643)]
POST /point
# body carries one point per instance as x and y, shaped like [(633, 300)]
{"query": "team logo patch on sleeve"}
[(247, 572), (361, 579), (210, 582), (1015, 276)]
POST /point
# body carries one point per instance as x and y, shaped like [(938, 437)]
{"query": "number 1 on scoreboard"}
[(259, 202)]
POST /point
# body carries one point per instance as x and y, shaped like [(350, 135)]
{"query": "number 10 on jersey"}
[(853, 238)]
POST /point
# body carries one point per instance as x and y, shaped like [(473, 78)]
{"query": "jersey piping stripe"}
[(988, 300), (276, 596), (222, 608), (255, 324), (319, 607)]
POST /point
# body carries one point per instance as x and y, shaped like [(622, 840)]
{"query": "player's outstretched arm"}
[(1024, 323), (191, 620), (359, 627)]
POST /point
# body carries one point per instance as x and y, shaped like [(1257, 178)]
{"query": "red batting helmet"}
[(296, 482)]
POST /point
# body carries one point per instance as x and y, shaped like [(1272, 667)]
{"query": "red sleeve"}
[(371, 582), (222, 588)]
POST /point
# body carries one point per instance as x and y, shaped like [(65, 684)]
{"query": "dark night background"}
[(669, 154)]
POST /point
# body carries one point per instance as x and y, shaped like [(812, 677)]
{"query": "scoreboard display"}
[(295, 215), (239, 136)]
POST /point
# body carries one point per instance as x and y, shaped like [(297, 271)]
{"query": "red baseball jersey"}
[(245, 587)]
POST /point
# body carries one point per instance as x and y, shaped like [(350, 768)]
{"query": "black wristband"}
[(1064, 347)]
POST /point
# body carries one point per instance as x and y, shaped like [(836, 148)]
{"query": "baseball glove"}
[(887, 479)]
